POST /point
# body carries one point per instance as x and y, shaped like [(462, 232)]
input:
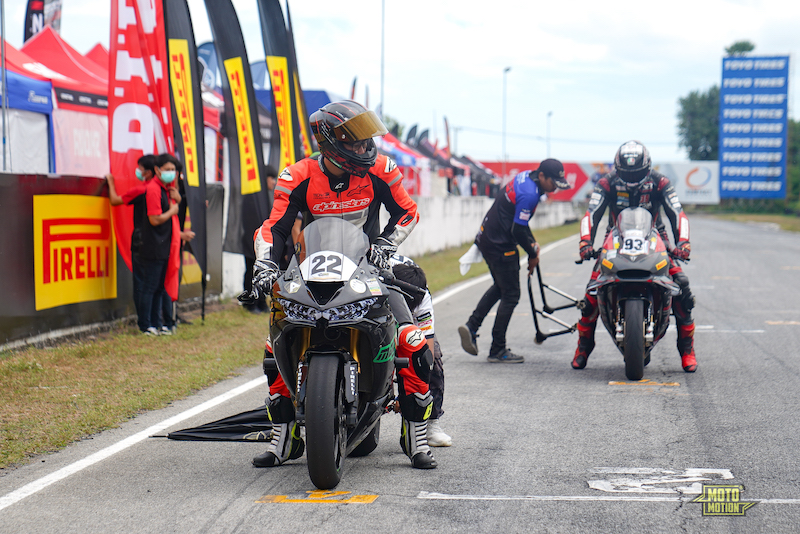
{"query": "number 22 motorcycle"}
[(634, 289), (333, 338)]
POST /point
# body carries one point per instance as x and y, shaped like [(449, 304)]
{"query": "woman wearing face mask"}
[(162, 200)]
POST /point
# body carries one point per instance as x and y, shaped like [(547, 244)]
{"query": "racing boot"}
[(286, 443), (686, 347), (416, 409), (585, 343)]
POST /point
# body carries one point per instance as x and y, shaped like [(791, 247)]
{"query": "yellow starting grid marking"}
[(318, 497), (645, 382)]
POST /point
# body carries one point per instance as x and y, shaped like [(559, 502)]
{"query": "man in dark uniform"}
[(504, 227)]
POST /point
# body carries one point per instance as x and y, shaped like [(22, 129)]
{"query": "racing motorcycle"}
[(333, 339), (634, 289)]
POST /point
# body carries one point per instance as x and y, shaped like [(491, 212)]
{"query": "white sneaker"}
[(166, 331), (151, 331), (436, 436)]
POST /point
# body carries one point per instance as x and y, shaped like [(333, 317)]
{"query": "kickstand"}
[(547, 310)]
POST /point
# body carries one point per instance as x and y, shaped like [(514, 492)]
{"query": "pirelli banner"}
[(60, 265)]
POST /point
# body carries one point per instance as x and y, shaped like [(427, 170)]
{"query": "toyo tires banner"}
[(752, 126)]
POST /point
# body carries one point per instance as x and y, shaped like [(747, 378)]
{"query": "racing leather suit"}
[(308, 188), (654, 193)]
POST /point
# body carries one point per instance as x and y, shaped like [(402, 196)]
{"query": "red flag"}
[(139, 118)]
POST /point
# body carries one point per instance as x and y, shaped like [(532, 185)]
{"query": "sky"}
[(584, 77)]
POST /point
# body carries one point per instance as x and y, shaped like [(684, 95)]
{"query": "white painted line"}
[(578, 498), (37, 485), (475, 281)]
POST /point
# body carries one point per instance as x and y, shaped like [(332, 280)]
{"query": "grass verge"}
[(55, 395)]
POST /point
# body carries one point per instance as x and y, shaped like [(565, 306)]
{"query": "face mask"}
[(167, 176), (139, 175)]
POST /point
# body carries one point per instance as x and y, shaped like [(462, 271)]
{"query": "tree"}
[(698, 124), (740, 48)]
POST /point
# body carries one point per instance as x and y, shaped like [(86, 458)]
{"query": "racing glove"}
[(265, 273), (683, 250), (586, 250), (380, 252)]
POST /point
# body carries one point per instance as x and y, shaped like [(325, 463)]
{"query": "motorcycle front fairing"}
[(333, 301), (634, 264)]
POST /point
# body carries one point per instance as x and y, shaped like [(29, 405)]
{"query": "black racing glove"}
[(265, 273), (586, 250), (380, 252)]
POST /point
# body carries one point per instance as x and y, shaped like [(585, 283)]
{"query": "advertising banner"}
[(753, 101), (139, 118), (74, 250), (81, 141), (695, 182), (248, 207), (187, 109)]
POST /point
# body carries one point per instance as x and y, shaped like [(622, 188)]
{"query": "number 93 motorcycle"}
[(634, 289)]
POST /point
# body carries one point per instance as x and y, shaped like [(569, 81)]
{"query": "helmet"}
[(632, 163), (348, 122)]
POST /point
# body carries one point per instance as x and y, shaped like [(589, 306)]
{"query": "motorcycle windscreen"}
[(334, 247), (634, 228)]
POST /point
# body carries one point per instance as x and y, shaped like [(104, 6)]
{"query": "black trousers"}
[(505, 274)]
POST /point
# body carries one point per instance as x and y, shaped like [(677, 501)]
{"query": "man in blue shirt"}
[(504, 227)]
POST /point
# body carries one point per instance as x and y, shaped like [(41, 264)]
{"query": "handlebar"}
[(389, 279), (596, 254)]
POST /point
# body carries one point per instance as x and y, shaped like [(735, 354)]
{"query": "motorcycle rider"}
[(504, 226), (633, 183), (349, 180)]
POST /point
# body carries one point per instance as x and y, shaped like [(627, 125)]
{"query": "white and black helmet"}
[(632, 163)]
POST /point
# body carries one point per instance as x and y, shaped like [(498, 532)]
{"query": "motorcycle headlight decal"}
[(350, 312), (607, 264), (299, 312)]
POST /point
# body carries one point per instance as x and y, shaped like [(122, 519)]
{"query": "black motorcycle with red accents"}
[(633, 287)]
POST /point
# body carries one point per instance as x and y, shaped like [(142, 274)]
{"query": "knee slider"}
[(280, 409), (588, 307), (417, 406)]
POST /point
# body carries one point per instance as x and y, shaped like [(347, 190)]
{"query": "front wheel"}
[(326, 432), (634, 339)]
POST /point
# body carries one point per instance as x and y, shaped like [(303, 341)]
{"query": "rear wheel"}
[(634, 339), (370, 442), (326, 433)]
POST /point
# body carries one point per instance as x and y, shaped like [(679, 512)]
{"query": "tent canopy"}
[(48, 48), (99, 55)]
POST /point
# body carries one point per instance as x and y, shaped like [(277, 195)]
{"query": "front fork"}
[(649, 327)]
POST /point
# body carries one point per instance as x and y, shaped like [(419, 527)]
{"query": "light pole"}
[(549, 114), (505, 72)]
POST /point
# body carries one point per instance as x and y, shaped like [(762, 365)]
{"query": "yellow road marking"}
[(790, 268), (778, 323), (319, 497), (645, 382)]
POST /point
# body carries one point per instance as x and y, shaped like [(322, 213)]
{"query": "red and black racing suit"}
[(654, 193), (307, 188)]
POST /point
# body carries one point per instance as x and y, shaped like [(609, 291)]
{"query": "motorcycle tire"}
[(634, 339), (326, 431), (370, 442)]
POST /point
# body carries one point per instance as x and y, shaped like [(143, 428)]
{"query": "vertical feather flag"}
[(307, 140), (139, 118), (249, 202), (187, 119), (276, 47)]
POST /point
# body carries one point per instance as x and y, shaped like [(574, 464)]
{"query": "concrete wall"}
[(445, 222)]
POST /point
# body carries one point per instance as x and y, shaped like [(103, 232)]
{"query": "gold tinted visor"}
[(363, 126)]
